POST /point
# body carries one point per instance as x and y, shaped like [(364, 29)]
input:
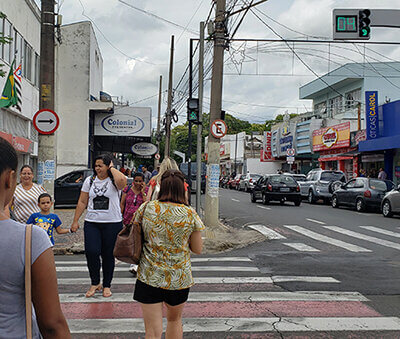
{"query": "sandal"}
[(92, 290), (107, 292)]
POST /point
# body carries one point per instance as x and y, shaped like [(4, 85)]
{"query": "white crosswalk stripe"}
[(301, 247), (381, 230), (267, 232)]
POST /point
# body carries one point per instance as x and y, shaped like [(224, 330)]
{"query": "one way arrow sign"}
[(46, 121)]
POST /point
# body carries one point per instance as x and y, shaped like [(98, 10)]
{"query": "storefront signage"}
[(266, 152), (144, 148), (372, 116), (126, 121), (360, 136), (397, 171), (286, 143), (221, 149), (22, 145), (327, 138)]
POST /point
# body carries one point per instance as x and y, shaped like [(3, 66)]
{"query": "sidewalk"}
[(222, 239)]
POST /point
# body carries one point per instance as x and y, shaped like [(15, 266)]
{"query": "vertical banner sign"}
[(266, 154), (213, 183), (372, 116)]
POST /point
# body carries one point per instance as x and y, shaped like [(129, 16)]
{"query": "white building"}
[(23, 26), (79, 82)]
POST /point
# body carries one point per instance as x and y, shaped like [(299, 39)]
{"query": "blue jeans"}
[(99, 241)]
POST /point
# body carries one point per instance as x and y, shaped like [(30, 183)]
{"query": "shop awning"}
[(340, 157), (379, 144)]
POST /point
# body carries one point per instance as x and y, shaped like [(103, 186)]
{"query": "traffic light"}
[(364, 23), (193, 110)]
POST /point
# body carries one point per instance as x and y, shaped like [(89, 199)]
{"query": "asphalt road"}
[(338, 243)]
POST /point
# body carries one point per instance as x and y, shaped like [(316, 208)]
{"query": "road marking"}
[(228, 296), (316, 221), (364, 237), (283, 278), (194, 269), (301, 247), (270, 234), (328, 240), (264, 208), (382, 231), (236, 200), (226, 325), (193, 260)]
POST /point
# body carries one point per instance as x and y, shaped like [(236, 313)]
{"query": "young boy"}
[(46, 220)]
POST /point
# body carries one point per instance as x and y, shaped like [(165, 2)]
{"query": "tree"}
[(3, 40)]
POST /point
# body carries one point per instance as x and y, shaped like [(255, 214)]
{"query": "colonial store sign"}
[(327, 138), (126, 121), (144, 148)]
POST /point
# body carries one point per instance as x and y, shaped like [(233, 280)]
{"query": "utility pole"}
[(212, 190), (169, 106), (189, 154), (200, 126), (47, 152), (156, 161)]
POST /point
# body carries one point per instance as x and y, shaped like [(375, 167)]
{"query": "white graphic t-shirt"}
[(104, 203)]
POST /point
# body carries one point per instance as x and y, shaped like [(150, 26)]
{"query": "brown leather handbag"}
[(129, 244)]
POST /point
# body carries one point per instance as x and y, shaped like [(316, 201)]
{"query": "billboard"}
[(126, 121), (327, 138), (266, 152), (371, 114)]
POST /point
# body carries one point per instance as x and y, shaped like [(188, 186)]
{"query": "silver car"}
[(247, 183), (391, 202)]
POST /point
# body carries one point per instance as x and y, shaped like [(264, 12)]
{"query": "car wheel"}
[(311, 197), (253, 198), (335, 202), (297, 203), (265, 200), (360, 205), (387, 209)]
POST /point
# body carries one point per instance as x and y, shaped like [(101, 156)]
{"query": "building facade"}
[(22, 24)]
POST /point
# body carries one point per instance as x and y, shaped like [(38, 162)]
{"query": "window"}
[(28, 61), (18, 48), (353, 98), (37, 70), (320, 108), (351, 184), (7, 47), (74, 178), (1, 34), (359, 183), (335, 106)]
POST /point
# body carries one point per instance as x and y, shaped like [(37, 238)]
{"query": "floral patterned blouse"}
[(132, 203), (165, 260)]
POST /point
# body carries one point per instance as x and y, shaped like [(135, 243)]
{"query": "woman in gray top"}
[(48, 320)]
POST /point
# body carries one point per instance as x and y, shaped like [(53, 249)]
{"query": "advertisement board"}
[(372, 114), (266, 152), (332, 137), (126, 121)]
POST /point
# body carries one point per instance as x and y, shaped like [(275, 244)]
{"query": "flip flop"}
[(92, 290), (107, 294)]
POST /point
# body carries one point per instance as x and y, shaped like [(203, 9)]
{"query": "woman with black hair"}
[(48, 320), (100, 195)]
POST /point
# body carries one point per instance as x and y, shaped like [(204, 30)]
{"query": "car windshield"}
[(255, 176), (282, 179), (331, 176), (381, 185), (299, 177)]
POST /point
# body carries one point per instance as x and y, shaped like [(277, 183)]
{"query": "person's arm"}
[(62, 230), (51, 321), (123, 199), (80, 207), (196, 242), (120, 179)]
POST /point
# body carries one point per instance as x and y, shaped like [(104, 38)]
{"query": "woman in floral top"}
[(171, 230)]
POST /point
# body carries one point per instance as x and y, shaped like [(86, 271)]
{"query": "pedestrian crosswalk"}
[(231, 295)]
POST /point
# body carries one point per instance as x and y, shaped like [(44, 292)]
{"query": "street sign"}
[(157, 156), (290, 152), (218, 129), (290, 160), (46, 121)]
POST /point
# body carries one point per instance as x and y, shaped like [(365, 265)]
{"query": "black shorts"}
[(147, 294)]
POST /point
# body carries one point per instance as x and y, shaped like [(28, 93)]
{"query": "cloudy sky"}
[(261, 80)]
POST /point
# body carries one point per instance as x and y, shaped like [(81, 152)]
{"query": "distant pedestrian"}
[(100, 194), (155, 172), (362, 173), (147, 174), (128, 172), (171, 230), (382, 174), (46, 220)]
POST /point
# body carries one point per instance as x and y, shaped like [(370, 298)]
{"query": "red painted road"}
[(117, 310)]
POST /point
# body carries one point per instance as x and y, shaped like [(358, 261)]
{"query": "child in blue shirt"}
[(46, 220)]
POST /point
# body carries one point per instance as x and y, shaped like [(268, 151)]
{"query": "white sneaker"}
[(133, 269)]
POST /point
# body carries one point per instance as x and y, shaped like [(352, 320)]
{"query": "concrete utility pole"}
[(200, 126), (169, 107), (156, 161), (47, 152), (212, 202)]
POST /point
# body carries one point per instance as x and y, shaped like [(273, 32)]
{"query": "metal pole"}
[(359, 116), (236, 142), (212, 200), (189, 153), (156, 161), (200, 126), (169, 106), (46, 151)]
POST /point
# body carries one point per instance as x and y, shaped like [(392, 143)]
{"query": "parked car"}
[(234, 181), (193, 171), (237, 181), (320, 184), (297, 177), (67, 188), (391, 202), (247, 183), (276, 187), (361, 193)]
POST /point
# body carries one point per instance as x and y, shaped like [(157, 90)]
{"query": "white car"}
[(391, 202)]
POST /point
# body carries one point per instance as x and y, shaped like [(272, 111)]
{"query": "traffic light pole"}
[(167, 150)]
